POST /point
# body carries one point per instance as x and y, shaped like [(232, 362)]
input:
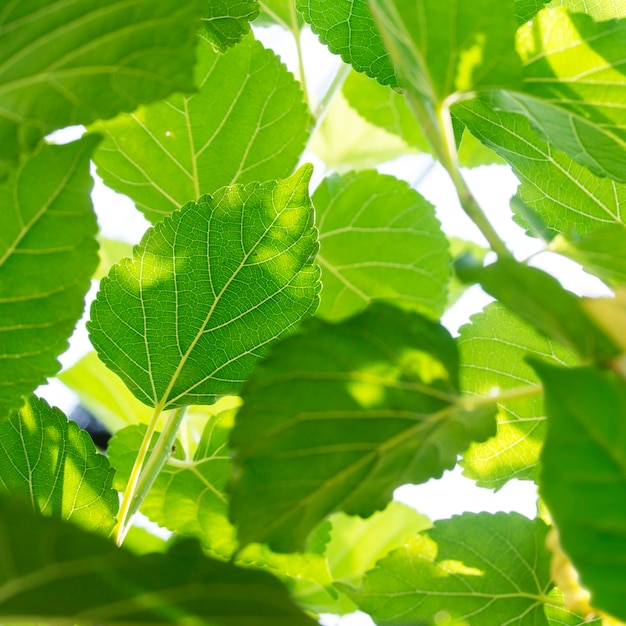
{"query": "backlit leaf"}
[(379, 240), (339, 416), (348, 29), (445, 48), (247, 122), (493, 349), (573, 86), (64, 63), (87, 579), (566, 195), (227, 21), (207, 290), (474, 568), (540, 300), (48, 253), (52, 463), (582, 480)]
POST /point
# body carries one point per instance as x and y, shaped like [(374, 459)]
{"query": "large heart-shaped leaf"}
[(247, 122), (53, 572), (493, 349), (380, 240), (340, 415), (54, 464), (474, 568), (64, 63), (48, 253), (206, 292)]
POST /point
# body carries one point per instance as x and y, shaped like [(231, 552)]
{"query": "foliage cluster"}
[(270, 362)]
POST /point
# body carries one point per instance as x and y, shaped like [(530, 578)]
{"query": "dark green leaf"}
[(52, 571), (52, 463), (66, 63), (48, 253), (493, 349), (583, 476), (564, 194), (246, 123), (339, 416), (208, 289), (379, 240), (348, 29), (227, 21), (539, 299), (478, 569)]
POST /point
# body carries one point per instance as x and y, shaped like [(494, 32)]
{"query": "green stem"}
[(470, 403), (333, 88), (129, 493), (157, 459), (297, 35)]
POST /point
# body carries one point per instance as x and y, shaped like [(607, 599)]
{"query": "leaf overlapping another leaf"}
[(52, 463), (64, 63), (86, 579), (582, 480), (206, 292), (48, 252), (474, 568), (493, 349), (379, 240), (348, 29), (246, 123), (339, 416), (227, 21)]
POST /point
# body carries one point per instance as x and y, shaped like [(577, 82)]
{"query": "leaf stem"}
[(157, 459), (297, 35), (129, 493), (337, 83), (470, 403)]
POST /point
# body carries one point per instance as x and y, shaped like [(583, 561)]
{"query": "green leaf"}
[(48, 253), (339, 416), (603, 252), (55, 572), (482, 568), (465, 255), (111, 252), (388, 109), (102, 393), (566, 195), (188, 496), (53, 464), (379, 240), (281, 12), (559, 615), (527, 9), (597, 9), (356, 544), (246, 123), (362, 145), (349, 30), (540, 300), (227, 21), (72, 63), (493, 348), (206, 292), (582, 480), (567, 57), (445, 48)]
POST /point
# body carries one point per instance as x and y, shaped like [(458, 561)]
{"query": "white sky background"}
[(492, 185)]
